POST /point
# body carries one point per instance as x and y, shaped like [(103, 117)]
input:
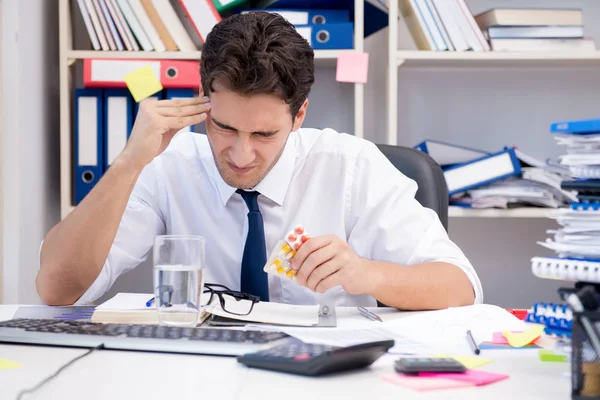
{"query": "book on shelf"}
[(150, 25), (532, 32), (541, 29), (529, 45), (529, 16), (440, 25)]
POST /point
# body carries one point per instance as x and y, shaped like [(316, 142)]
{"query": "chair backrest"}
[(432, 191)]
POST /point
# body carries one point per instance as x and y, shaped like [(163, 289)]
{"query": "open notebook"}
[(131, 308)]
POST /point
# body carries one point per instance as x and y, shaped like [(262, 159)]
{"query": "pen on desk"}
[(472, 342), (368, 314), (150, 302)]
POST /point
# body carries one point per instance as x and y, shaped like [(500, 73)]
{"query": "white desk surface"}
[(137, 375)]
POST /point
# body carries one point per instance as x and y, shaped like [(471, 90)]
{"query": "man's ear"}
[(300, 116)]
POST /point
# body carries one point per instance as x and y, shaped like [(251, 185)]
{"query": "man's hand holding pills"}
[(327, 261)]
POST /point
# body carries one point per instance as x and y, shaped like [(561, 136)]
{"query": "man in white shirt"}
[(252, 178)]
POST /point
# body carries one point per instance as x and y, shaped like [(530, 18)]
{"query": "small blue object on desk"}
[(150, 302)]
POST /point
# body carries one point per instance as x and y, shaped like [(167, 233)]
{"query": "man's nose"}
[(242, 153)]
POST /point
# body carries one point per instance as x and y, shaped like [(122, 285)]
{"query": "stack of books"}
[(509, 29), (442, 25), (150, 25), (508, 178), (182, 25)]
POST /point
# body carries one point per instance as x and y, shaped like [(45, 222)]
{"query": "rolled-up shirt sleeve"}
[(388, 224), (142, 221)]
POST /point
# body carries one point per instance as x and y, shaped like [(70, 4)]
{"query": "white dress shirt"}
[(331, 183)]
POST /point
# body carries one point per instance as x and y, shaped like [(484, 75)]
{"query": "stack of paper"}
[(521, 191), (432, 332), (582, 155), (579, 236), (538, 183)]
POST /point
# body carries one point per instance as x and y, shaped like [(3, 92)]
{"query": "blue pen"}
[(149, 302)]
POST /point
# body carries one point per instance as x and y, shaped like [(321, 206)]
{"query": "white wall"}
[(30, 162)]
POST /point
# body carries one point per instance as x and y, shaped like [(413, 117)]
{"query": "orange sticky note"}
[(143, 83), (352, 67), (521, 339)]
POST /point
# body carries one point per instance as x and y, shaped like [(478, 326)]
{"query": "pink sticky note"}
[(474, 376), (422, 384), (498, 338), (352, 67)]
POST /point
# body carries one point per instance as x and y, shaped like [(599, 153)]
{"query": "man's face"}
[(247, 134)]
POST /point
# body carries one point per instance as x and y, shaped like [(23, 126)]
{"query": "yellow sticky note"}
[(467, 361), (7, 364), (524, 338), (142, 83)]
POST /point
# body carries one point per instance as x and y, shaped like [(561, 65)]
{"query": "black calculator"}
[(316, 359), (414, 365)]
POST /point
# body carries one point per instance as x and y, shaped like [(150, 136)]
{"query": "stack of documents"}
[(531, 182), (429, 332), (579, 235), (582, 156), (577, 241), (521, 192)]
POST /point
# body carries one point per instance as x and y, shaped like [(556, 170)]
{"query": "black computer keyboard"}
[(141, 331)]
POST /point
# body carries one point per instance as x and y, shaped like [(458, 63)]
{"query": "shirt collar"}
[(275, 184)]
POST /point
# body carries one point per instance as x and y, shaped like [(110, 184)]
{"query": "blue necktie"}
[(254, 279)]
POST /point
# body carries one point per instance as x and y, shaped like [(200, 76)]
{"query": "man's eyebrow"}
[(222, 125), (230, 128)]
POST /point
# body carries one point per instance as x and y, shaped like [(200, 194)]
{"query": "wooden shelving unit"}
[(399, 59), (323, 58), (524, 212), (69, 57), (448, 59)]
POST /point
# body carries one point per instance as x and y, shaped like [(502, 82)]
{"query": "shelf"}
[(323, 58), (524, 212), (171, 55), (496, 59)]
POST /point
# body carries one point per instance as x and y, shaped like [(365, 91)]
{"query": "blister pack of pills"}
[(279, 262)]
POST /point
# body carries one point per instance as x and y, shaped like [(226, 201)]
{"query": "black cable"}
[(54, 375)]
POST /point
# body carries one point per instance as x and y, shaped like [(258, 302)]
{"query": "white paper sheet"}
[(442, 331), (350, 337), (126, 302)]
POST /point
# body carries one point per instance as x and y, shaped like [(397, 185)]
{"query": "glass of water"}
[(178, 281)]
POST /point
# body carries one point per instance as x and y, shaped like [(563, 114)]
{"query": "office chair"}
[(432, 191)]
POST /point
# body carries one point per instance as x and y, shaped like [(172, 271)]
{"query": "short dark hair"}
[(258, 53)]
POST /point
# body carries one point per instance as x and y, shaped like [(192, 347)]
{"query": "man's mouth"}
[(238, 170)]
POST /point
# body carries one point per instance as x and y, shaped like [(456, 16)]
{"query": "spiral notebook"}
[(566, 269)]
